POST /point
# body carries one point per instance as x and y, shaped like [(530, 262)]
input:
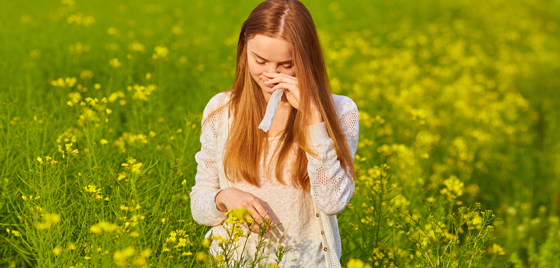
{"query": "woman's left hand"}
[(291, 90), (286, 82)]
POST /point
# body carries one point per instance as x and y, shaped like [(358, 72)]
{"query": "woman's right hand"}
[(232, 198)]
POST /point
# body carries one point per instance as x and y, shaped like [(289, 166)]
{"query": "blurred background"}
[(459, 156)]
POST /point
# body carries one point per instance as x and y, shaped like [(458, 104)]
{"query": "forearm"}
[(331, 187)]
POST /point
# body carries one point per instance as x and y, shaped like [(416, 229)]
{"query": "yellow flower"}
[(57, 250), (241, 214), (123, 255), (135, 46), (454, 187), (201, 256), (121, 176), (115, 62), (146, 253), (104, 141), (71, 246), (95, 229), (91, 188), (355, 263), (40, 160), (103, 226), (86, 74), (160, 52), (113, 31), (136, 168), (48, 220), (497, 249), (70, 81), (14, 232)]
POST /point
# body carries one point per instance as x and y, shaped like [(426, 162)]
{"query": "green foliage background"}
[(459, 98)]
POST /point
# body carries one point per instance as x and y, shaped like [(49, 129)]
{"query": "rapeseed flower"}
[(103, 226), (160, 52), (13, 232), (71, 246), (57, 250), (64, 82), (115, 62), (497, 249), (48, 220), (356, 263), (454, 187), (136, 46), (86, 74), (121, 256)]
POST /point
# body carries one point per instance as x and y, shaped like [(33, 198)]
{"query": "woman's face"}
[(271, 55)]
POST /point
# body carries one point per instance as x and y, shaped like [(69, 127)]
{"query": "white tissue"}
[(271, 108)]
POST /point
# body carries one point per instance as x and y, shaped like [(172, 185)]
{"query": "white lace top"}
[(308, 219), (292, 208)]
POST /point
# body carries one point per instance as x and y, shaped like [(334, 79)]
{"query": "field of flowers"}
[(458, 163)]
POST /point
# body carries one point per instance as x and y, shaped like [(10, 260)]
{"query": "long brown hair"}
[(289, 20)]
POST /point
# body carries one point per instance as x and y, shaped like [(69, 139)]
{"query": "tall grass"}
[(459, 153)]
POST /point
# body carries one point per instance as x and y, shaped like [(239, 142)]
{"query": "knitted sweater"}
[(331, 188)]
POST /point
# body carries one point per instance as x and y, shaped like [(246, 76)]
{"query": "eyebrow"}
[(257, 55)]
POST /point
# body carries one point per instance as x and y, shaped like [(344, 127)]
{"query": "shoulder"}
[(217, 102), (344, 105)]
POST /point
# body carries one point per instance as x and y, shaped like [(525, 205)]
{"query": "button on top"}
[(322, 232), (325, 249), (317, 214)]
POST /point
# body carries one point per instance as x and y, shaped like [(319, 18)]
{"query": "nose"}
[(271, 68)]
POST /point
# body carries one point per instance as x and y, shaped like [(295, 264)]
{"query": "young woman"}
[(299, 173)]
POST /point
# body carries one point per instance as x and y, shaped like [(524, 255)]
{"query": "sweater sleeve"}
[(331, 187), (207, 185)]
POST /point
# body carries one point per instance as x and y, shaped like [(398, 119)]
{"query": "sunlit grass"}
[(458, 162)]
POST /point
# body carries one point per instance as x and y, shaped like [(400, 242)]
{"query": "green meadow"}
[(458, 163)]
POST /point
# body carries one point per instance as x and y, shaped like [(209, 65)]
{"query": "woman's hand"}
[(232, 198), (291, 91)]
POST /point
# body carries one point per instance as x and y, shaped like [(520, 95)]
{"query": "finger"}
[(290, 87), (274, 80), (251, 229), (254, 227), (251, 224), (289, 77), (279, 75), (261, 210), (272, 75), (281, 79), (255, 217)]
